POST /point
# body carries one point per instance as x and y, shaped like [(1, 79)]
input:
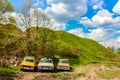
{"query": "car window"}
[(64, 61), (46, 61), (28, 60)]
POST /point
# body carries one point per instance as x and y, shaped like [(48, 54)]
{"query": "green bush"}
[(8, 73)]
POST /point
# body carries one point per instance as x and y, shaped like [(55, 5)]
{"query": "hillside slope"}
[(78, 50), (56, 44), (90, 50)]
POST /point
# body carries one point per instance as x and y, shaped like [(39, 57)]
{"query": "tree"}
[(25, 16), (112, 48), (33, 16), (5, 6)]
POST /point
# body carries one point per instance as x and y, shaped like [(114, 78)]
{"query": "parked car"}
[(28, 63), (45, 64), (63, 64)]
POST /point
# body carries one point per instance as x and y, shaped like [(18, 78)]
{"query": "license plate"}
[(26, 67), (45, 68)]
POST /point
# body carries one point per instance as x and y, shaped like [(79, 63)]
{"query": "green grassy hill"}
[(78, 50), (90, 50), (57, 44)]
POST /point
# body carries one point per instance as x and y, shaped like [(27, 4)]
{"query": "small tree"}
[(112, 48), (30, 16), (25, 16)]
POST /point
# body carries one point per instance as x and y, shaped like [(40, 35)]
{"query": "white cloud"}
[(63, 10), (58, 9), (94, 2), (86, 21), (57, 26), (78, 32), (99, 5), (100, 35), (116, 8), (52, 25), (118, 39), (39, 3), (111, 42), (102, 18), (96, 34)]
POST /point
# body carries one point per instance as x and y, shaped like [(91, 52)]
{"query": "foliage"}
[(11, 40), (8, 73), (5, 6), (67, 51), (5, 9), (33, 15)]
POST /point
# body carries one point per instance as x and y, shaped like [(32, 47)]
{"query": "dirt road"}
[(88, 72)]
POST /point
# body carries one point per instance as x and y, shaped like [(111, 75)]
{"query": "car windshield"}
[(46, 60), (28, 60), (64, 61)]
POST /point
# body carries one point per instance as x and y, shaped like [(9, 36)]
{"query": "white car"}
[(45, 64)]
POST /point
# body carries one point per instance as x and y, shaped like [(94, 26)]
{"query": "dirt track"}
[(88, 72)]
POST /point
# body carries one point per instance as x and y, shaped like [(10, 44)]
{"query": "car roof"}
[(45, 59), (63, 59), (30, 57)]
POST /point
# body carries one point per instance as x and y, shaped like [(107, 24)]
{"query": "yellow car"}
[(28, 63)]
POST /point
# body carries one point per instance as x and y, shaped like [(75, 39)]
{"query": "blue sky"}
[(94, 19)]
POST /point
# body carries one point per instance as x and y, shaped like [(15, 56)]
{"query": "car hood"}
[(45, 64), (63, 64), (27, 64)]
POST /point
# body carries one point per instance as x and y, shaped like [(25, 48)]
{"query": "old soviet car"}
[(63, 64), (28, 63), (45, 64)]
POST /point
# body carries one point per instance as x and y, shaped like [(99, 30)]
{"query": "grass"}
[(90, 51), (81, 74), (8, 73), (109, 74)]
